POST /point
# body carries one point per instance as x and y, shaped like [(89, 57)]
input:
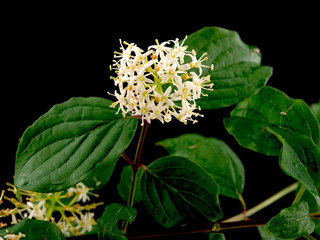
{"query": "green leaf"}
[(304, 195), (237, 70), (125, 183), (35, 230), (99, 180), (174, 188), (213, 155), (271, 108), (299, 158), (316, 109), (108, 223), (272, 123), (291, 222), (306, 173), (72, 142), (217, 236), (317, 228), (265, 236)]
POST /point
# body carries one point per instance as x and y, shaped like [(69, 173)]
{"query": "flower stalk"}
[(136, 164), (135, 167)]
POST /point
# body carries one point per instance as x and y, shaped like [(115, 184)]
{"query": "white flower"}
[(13, 219), (159, 84), (81, 191), (197, 85), (180, 50), (160, 48), (144, 111), (165, 97), (85, 222), (121, 101), (144, 92), (157, 110), (37, 210), (198, 62), (13, 236), (167, 117), (64, 227)]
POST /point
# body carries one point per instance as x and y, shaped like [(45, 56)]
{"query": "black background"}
[(54, 52)]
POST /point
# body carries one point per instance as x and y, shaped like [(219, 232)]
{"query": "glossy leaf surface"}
[(108, 223), (125, 183), (34, 230), (272, 123), (316, 109), (174, 188), (237, 70), (291, 222), (270, 107), (213, 155), (301, 167), (72, 142)]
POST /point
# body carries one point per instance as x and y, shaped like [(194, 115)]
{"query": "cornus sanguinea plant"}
[(162, 82), (72, 151)]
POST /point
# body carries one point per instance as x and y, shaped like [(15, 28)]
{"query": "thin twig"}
[(218, 227)]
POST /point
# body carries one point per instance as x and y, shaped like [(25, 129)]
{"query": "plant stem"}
[(309, 237), (136, 164), (170, 234), (236, 221), (135, 167), (128, 159), (218, 227), (299, 194), (243, 203), (263, 204)]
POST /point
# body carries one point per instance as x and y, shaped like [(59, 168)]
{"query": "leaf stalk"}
[(263, 204)]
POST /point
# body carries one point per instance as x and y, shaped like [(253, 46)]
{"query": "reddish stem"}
[(218, 227), (127, 158), (137, 163)]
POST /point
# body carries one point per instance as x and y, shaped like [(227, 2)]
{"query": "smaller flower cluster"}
[(11, 236), (5, 213), (158, 84), (60, 208)]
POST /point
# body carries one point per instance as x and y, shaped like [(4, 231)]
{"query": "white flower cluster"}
[(159, 84)]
